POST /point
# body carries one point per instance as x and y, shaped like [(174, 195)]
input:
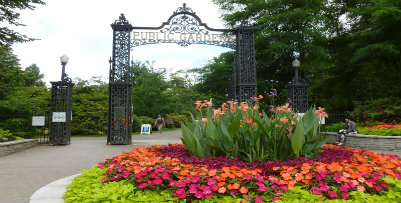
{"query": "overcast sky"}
[(81, 29)]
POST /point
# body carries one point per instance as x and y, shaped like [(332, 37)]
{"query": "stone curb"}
[(52, 192), (11, 147)]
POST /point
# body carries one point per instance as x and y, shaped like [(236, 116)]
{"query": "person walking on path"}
[(160, 123), (349, 128)]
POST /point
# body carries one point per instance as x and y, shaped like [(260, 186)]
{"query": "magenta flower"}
[(259, 178), (276, 199), (166, 176), (103, 180), (377, 187), (140, 180), (142, 185), (180, 193), (199, 195), (116, 176), (181, 184), (193, 189), (211, 181), (337, 177), (101, 165), (232, 192), (258, 200), (248, 177), (325, 188), (195, 179), (384, 184), (126, 174), (246, 197), (153, 175), (283, 187), (332, 194), (316, 190), (344, 188), (157, 181), (344, 195), (262, 188)]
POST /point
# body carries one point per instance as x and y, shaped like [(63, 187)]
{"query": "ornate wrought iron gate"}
[(184, 28)]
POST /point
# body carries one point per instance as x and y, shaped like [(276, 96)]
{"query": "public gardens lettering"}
[(183, 37)]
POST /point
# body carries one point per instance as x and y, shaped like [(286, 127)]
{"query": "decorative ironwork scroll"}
[(246, 71), (184, 28), (61, 104), (120, 87)]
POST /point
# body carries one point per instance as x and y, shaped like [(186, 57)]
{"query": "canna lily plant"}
[(242, 131)]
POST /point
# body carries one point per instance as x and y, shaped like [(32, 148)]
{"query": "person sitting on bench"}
[(349, 128)]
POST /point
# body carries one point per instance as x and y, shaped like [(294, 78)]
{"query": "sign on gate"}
[(59, 117), (38, 120)]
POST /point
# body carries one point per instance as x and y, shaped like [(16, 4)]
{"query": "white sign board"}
[(299, 115), (322, 120), (146, 129), (38, 121), (59, 117)]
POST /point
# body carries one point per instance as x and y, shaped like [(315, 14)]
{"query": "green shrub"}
[(87, 187), (178, 119), (6, 135), (385, 109), (391, 195), (380, 131), (334, 127)]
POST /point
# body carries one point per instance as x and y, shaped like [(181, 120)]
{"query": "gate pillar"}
[(120, 87), (246, 85), (60, 112)]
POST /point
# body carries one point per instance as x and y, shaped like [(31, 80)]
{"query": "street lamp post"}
[(61, 108), (64, 60), (298, 91)]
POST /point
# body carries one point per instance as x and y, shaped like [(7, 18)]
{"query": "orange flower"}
[(243, 190), (236, 186), (221, 184)]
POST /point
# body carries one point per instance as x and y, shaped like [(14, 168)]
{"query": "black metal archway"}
[(184, 28)]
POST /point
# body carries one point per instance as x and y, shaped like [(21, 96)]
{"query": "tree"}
[(214, 77), (33, 77), (10, 16), (10, 71)]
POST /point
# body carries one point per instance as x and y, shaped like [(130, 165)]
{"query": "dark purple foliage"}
[(327, 155)]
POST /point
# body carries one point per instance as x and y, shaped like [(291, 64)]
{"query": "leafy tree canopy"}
[(10, 15)]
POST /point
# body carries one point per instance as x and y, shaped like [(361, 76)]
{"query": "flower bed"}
[(169, 173), (384, 129)]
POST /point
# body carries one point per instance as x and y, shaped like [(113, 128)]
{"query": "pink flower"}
[(344, 188), (246, 197), (377, 187), (126, 174), (157, 181), (248, 177), (259, 178), (232, 192), (283, 187), (103, 180), (180, 193), (361, 188), (337, 177), (262, 188), (211, 181), (199, 195), (222, 190), (153, 175), (166, 176), (276, 199), (332, 194), (101, 165), (344, 195), (193, 189), (384, 184), (181, 184), (116, 176), (316, 190), (258, 200), (142, 185)]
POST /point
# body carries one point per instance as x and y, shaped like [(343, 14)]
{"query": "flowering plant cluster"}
[(388, 126), (242, 131), (335, 173)]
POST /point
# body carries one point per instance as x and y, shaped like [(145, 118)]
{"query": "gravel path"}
[(22, 173)]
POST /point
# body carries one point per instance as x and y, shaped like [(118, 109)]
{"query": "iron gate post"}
[(246, 86), (60, 112), (298, 91), (120, 87)]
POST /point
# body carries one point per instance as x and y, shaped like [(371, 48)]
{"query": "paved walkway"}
[(22, 173)]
